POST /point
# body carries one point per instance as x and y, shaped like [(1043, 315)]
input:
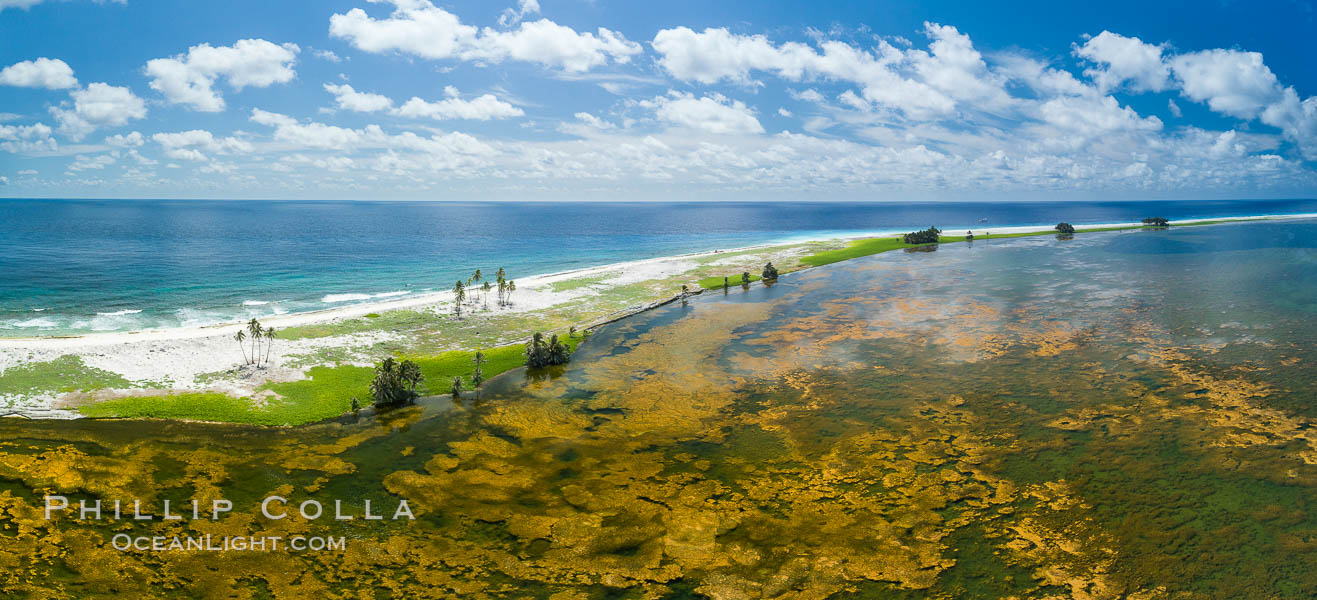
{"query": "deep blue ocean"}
[(72, 266)]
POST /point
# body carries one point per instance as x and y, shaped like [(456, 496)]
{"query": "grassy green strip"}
[(327, 393), (716, 282), (197, 406), (855, 249), (871, 246)]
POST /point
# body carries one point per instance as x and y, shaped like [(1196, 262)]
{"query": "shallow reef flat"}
[(1115, 416)]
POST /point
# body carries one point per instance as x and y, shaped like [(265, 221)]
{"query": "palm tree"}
[(386, 386), (394, 382), (459, 295), (410, 373), (484, 293), (254, 328), (457, 388), (535, 351), (512, 287), (478, 377), (502, 277), (241, 337), (559, 353), (269, 343), (540, 354)]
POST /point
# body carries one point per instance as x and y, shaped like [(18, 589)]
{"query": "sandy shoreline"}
[(526, 301)]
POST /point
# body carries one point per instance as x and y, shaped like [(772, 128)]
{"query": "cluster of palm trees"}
[(395, 382), (479, 287), (261, 341), (505, 288), (542, 354)]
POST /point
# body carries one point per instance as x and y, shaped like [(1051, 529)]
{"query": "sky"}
[(676, 100)]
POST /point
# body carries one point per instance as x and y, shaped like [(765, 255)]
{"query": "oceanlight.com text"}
[(207, 543)]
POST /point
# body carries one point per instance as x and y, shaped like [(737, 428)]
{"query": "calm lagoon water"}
[(1121, 415), (74, 266)]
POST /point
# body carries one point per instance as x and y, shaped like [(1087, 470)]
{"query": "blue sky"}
[(599, 100)]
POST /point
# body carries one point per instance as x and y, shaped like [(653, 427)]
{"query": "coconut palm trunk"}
[(269, 343), (241, 337)]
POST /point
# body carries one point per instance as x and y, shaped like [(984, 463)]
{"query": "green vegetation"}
[(443, 367), (716, 282), (200, 406), (395, 382), (927, 236), (1156, 222), (478, 374), (543, 354), (64, 374), (855, 249), (1065, 228), (327, 393), (770, 272)]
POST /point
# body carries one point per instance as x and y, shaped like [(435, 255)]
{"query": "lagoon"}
[(1123, 414)]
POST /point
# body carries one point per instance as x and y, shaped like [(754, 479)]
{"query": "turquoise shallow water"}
[(71, 266)]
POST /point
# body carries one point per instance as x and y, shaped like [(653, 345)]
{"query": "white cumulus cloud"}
[(350, 99), (1121, 59), (131, 140), (195, 143), (921, 84), (98, 105), (84, 163), (26, 139), (1230, 81), (49, 73), (190, 78), (480, 108), (419, 28), (713, 114), (512, 16)]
